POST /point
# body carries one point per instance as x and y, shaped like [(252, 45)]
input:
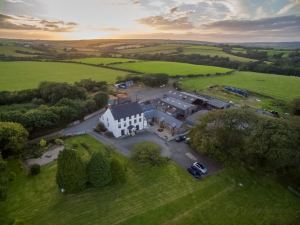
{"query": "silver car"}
[(200, 167)]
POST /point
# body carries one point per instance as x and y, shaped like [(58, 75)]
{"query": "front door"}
[(137, 127), (122, 132)]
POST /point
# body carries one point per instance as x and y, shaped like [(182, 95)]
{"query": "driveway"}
[(181, 153)]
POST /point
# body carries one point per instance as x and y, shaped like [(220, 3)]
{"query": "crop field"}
[(276, 86), (171, 68), (151, 195), (24, 75), (104, 61)]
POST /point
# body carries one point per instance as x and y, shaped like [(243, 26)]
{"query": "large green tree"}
[(118, 171), (101, 99), (13, 138), (71, 171), (98, 170)]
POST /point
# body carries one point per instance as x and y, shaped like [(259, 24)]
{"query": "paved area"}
[(181, 153), (47, 157)]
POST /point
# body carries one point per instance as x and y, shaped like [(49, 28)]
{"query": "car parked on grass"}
[(200, 167), (194, 172)]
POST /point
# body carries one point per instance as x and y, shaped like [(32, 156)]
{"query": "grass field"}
[(157, 195), (104, 61), (163, 48), (280, 87), (171, 68), (10, 50), (24, 75), (214, 51)]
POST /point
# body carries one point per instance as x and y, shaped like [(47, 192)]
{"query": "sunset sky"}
[(205, 20)]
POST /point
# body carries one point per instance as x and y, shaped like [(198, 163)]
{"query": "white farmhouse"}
[(124, 119)]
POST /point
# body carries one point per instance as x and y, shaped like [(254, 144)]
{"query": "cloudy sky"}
[(206, 20)]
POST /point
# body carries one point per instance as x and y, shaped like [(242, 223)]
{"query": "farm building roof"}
[(218, 103), (185, 96), (177, 103), (162, 116), (126, 110)]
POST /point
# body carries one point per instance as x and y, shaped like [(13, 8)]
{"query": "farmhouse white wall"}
[(116, 126)]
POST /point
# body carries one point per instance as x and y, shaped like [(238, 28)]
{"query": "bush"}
[(101, 99), (148, 153), (71, 172), (35, 169), (100, 127), (295, 107), (118, 171), (59, 141), (98, 170), (109, 134)]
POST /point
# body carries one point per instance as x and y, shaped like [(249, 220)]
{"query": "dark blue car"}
[(194, 172)]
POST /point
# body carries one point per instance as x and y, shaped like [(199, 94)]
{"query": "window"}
[(140, 119), (134, 121), (124, 124), (130, 122), (119, 126)]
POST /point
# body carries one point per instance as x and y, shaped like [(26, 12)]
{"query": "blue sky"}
[(206, 20)]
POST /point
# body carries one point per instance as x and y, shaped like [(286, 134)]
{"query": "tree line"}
[(53, 104), (260, 142)]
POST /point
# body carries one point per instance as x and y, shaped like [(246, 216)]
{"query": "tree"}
[(3, 179), (295, 107), (98, 170), (71, 172), (13, 138), (148, 153), (101, 99), (155, 80), (118, 171)]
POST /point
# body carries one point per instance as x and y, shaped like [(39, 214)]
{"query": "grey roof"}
[(126, 110), (194, 118), (162, 116), (185, 96), (177, 103), (218, 103)]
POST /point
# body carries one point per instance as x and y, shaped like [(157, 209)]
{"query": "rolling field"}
[(214, 51), (10, 50), (280, 87), (25, 75), (151, 195), (163, 48), (104, 61), (171, 68)]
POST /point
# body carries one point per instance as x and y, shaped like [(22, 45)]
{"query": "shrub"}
[(118, 171), (100, 127), (98, 170), (109, 134), (101, 99), (59, 141), (43, 143), (35, 169), (71, 172), (148, 153)]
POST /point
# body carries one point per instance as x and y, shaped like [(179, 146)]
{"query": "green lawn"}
[(157, 195), (280, 87), (104, 61), (24, 75), (171, 68)]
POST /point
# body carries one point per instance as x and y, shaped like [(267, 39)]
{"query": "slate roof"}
[(126, 110), (218, 103), (177, 103), (162, 116)]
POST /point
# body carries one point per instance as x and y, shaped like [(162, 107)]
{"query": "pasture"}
[(25, 75), (279, 87), (214, 51), (151, 195), (11, 50), (103, 61), (171, 68)]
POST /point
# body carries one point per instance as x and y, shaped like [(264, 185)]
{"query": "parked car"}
[(200, 167), (194, 172), (187, 140), (180, 138)]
